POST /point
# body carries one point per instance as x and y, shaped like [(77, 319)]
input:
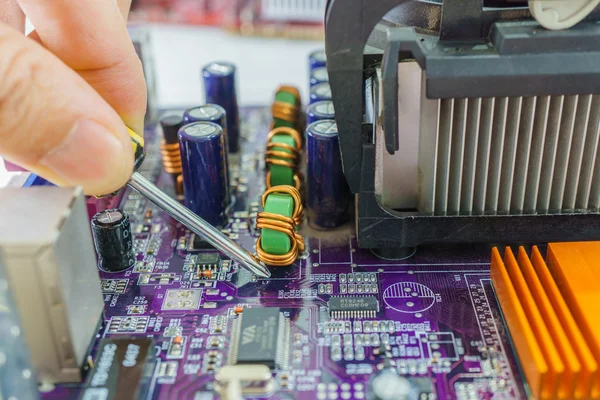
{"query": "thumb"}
[(54, 124)]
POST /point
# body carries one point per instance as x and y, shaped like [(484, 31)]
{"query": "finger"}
[(91, 37), (124, 6), (53, 123), (11, 14)]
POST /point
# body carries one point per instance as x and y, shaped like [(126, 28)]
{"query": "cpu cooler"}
[(466, 121)]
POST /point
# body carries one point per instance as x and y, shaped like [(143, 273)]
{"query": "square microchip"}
[(353, 307), (256, 334), (182, 299), (197, 243), (208, 259)]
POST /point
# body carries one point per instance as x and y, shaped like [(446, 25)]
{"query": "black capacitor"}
[(113, 241), (170, 125)]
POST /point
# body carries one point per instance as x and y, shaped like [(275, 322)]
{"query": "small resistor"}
[(207, 273)]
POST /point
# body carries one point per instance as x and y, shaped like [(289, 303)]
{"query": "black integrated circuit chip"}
[(353, 307), (208, 260), (197, 243), (257, 337), (122, 370)]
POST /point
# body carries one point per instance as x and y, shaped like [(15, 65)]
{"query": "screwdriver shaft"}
[(197, 225)]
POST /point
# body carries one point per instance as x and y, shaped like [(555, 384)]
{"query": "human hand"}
[(68, 90)]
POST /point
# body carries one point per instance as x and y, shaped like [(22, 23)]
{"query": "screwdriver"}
[(188, 218)]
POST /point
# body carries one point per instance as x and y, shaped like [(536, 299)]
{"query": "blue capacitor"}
[(319, 111), (210, 113), (328, 194), (317, 59), (204, 171), (320, 92), (219, 88), (318, 75)]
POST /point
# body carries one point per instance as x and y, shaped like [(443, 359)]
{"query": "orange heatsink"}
[(552, 310)]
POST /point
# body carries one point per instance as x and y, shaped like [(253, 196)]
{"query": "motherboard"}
[(339, 323)]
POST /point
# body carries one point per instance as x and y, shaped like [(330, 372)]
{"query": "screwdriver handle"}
[(137, 143)]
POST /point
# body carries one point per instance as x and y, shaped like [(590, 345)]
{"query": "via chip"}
[(255, 336)]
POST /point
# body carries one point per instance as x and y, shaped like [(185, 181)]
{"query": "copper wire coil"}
[(298, 212), (171, 157), (289, 160), (281, 223), (285, 111)]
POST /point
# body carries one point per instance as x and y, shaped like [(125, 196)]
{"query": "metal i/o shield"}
[(204, 171), (320, 92), (319, 111), (328, 192), (219, 88)]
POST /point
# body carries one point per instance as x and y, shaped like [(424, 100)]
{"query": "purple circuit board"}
[(437, 311)]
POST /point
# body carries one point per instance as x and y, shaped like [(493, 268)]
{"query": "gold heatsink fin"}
[(549, 313)]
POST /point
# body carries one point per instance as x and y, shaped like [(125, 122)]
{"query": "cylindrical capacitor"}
[(170, 124), (320, 92), (328, 194), (208, 113), (215, 114), (219, 88), (319, 111), (318, 75), (113, 241), (204, 171), (317, 59)]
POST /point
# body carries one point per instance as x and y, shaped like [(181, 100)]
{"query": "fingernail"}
[(92, 157)]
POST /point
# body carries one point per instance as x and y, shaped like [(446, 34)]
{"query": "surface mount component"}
[(260, 336), (48, 253), (353, 307), (198, 243), (113, 240), (551, 309), (462, 125)]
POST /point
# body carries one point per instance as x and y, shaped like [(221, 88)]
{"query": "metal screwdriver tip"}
[(197, 225)]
